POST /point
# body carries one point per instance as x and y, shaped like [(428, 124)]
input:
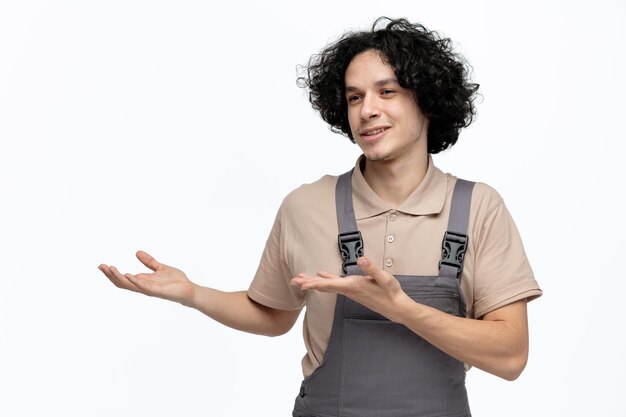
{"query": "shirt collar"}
[(428, 198)]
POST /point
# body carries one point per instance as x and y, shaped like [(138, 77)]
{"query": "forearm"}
[(238, 311), (497, 346)]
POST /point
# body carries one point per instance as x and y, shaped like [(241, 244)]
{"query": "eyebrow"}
[(377, 83)]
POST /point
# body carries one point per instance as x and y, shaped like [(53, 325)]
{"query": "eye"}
[(354, 97), (387, 92)]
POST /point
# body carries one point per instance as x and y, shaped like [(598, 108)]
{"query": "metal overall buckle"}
[(350, 247), (453, 250)]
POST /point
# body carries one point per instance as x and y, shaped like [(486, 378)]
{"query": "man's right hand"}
[(165, 282), (233, 309)]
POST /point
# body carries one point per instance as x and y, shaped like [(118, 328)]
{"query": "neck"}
[(393, 181)]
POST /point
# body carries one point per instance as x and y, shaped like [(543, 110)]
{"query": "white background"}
[(176, 127)]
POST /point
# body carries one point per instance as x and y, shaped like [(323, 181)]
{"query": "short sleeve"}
[(270, 285), (502, 273)]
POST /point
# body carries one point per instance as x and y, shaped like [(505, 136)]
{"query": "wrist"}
[(403, 306), (191, 300)]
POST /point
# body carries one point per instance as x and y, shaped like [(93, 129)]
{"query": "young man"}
[(417, 273)]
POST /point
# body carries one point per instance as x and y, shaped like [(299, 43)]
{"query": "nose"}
[(370, 108)]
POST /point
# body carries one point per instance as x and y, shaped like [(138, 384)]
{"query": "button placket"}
[(390, 238)]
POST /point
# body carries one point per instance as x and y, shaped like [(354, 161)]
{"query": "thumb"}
[(372, 270), (148, 260)]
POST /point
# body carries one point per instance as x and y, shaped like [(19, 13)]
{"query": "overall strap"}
[(455, 240), (349, 239)]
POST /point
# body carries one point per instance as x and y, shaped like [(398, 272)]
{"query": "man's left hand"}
[(378, 290)]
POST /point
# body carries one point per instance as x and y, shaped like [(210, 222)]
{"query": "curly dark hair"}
[(423, 62)]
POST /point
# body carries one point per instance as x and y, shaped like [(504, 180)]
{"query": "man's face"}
[(384, 118)]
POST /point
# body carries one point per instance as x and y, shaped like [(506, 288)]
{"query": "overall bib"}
[(374, 367)]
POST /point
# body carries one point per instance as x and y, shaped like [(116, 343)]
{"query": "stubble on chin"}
[(377, 157), (377, 152)]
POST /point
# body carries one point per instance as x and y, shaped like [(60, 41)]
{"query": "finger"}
[(335, 285), (125, 283), (325, 274), (107, 272), (301, 278), (373, 271), (143, 285), (352, 279), (116, 278), (148, 260)]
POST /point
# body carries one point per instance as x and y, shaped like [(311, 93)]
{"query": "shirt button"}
[(389, 262), (392, 217), (391, 238)]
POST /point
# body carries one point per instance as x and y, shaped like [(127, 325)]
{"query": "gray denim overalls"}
[(374, 367)]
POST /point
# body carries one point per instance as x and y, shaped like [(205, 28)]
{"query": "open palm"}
[(164, 282)]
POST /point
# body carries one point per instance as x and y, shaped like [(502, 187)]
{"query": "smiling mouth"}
[(375, 132)]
